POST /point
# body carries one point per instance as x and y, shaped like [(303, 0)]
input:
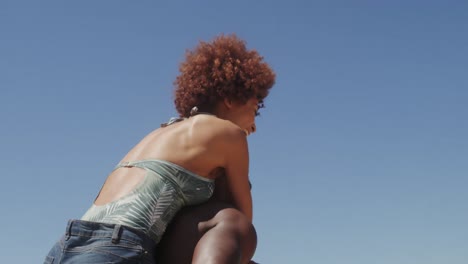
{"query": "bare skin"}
[(202, 144), (210, 146), (214, 232), (191, 238)]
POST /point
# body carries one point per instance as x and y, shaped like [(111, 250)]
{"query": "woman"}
[(218, 93)]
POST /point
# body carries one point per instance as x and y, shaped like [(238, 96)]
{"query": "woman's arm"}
[(237, 171)]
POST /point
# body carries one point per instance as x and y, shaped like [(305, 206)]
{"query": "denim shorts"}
[(91, 242)]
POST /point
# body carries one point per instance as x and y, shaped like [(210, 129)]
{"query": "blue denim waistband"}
[(114, 232)]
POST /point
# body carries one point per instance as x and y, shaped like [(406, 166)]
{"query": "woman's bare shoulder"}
[(217, 127)]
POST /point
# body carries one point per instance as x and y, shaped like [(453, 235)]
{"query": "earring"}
[(194, 111)]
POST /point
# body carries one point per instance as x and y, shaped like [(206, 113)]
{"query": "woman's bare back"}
[(191, 144)]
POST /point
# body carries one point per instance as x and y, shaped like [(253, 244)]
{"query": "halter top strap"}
[(193, 112)]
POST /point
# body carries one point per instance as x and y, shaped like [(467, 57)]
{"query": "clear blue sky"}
[(361, 156)]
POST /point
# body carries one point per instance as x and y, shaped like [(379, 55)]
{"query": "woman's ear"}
[(228, 103)]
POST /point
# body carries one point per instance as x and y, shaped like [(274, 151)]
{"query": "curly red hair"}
[(222, 68)]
